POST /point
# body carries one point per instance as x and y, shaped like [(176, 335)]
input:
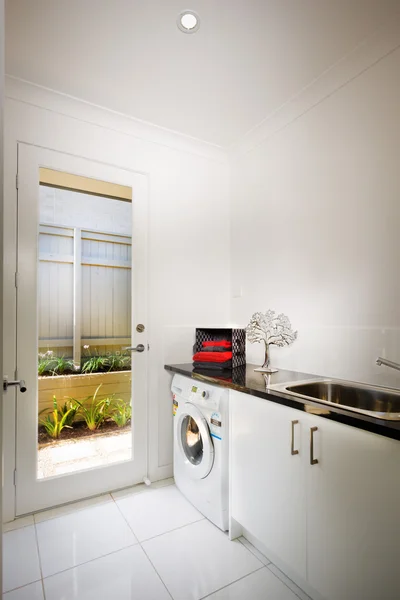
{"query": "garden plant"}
[(93, 412)]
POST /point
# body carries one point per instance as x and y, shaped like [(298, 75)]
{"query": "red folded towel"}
[(216, 357), (223, 343)]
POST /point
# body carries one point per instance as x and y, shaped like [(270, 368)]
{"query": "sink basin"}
[(381, 403)]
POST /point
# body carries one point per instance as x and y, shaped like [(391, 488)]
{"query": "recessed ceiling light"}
[(188, 21)]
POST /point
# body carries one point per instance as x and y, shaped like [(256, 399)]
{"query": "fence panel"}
[(103, 282), (55, 287)]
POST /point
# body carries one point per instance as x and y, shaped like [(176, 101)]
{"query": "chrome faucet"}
[(388, 363)]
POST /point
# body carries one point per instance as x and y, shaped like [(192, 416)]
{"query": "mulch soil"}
[(79, 430)]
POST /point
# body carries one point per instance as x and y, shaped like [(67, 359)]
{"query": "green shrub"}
[(118, 362), (62, 365), (112, 361), (48, 364), (96, 412), (44, 362), (94, 364), (121, 412), (70, 407), (58, 419)]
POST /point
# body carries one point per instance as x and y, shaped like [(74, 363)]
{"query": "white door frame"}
[(1, 271), (32, 495)]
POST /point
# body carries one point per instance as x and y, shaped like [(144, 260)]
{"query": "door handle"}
[(292, 450), (313, 461), (138, 348), (19, 382)]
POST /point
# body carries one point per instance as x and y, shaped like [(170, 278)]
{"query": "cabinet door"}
[(268, 482), (353, 522)]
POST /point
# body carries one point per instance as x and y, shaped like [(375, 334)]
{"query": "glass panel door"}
[(82, 255), (84, 328)]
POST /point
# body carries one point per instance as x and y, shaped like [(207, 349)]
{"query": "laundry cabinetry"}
[(268, 492), (321, 499)]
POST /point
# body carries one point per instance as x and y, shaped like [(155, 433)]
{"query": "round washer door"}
[(194, 441)]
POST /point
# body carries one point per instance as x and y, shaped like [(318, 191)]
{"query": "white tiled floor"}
[(88, 534), (261, 585), (138, 544), (33, 591), (153, 514), (21, 558)]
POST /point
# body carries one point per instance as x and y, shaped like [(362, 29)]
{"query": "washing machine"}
[(201, 446)]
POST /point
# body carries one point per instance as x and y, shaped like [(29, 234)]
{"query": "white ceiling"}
[(247, 59)]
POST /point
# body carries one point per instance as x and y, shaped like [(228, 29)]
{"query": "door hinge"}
[(16, 279), (16, 181), (15, 477)]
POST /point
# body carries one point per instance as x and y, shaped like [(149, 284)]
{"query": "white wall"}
[(188, 207), (316, 218)]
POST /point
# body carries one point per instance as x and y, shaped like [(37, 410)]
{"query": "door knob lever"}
[(19, 382), (138, 348)]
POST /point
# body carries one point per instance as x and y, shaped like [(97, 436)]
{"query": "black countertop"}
[(245, 379)]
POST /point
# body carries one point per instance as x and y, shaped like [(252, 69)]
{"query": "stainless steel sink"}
[(381, 403)]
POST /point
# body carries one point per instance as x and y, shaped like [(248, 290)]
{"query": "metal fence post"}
[(77, 295)]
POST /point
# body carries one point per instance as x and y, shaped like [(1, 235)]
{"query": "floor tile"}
[(124, 575), (254, 551), (261, 585), (290, 584), (34, 591), (198, 559), (20, 558), (157, 512), (67, 509), (18, 523), (87, 534), (142, 487)]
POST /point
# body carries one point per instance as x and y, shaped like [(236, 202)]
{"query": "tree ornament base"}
[(265, 370)]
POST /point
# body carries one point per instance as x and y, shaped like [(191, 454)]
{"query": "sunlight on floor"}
[(76, 455)]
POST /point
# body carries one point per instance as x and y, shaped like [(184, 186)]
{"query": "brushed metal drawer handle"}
[(292, 450), (313, 461)]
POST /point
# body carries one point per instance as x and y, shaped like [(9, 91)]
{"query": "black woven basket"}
[(236, 336)]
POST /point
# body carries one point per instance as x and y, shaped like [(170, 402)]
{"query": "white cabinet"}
[(334, 524), (353, 514), (268, 492)]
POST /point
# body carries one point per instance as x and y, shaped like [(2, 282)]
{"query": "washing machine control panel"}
[(203, 397)]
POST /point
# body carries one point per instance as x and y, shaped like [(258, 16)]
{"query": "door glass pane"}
[(191, 440), (84, 326)]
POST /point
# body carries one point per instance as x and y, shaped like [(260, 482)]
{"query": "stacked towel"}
[(215, 355), (212, 366), (212, 357), (217, 343)]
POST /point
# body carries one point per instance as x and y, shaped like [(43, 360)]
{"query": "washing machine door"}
[(195, 443)]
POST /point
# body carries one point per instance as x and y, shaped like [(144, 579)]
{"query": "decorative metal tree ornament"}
[(272, 330)]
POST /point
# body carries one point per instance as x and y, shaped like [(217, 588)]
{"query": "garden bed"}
[(79, 431), (81, 386)]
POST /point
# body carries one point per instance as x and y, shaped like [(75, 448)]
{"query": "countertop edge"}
[(389, 429)]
